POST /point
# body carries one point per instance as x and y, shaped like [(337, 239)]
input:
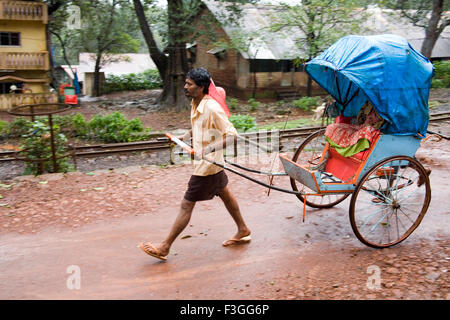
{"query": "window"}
[(267, 65), (5, 87), (300, 67), (9, 38)]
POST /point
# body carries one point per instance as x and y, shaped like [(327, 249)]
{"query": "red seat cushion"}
[(344, 168), (346, 135)]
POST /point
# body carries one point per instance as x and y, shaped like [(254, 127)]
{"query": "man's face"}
[(191, 90)]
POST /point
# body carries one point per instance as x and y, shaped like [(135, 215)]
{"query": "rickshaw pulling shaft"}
[(191, 151)]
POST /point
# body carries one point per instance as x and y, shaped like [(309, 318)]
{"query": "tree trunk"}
[(433, 30), (53, 79), (52, 7), (173, 68), (63, 47), (97, 89), (157, 56), (173, 91), (311, 40)]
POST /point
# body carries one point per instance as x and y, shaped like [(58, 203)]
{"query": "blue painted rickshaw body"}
[(383, 69), (386, 71)]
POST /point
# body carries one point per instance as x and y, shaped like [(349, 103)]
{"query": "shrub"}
[(280, 103), (306, 103), (441, 78), (243, 122), (233, 103), (3, 126), (115, 128), (110, 128), (18, 127), (254, 105), (80, 126), (36, 145), (3, 129), (148, 79), (64, 122)]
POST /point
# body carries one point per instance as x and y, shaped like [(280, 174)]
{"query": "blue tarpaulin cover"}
[(76, 83), (383, 69)]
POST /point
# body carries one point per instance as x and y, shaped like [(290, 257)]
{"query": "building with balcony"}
[(24, 59)]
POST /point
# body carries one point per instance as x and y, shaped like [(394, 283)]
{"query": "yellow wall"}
[(32, 35), (37, 87), (32, 39)]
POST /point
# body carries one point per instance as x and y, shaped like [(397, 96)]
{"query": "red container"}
[(70, 99), (61, 88)]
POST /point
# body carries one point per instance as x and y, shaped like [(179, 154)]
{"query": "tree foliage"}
[(172, 61), (107, 27), (441, 78), (429, 15), (319, 23)]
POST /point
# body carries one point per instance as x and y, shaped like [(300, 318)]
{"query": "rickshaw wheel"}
[(308, 155), (390, 201)]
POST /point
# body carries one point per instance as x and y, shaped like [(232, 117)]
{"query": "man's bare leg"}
[(233, 208), (178, 226)]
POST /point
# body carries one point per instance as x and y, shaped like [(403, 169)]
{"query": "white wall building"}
[(123, 63)]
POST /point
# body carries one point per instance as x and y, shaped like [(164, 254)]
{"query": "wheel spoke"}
[(412, 194), (380, 220), (368, 217), (377, 193), (406, 215), (412, 221), (397, 206), (309, 154), (396, 223)]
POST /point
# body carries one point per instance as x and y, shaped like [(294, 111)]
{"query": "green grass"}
[(433, 104), (304, 122)]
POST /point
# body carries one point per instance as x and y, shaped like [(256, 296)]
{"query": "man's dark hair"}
[(201, 77)]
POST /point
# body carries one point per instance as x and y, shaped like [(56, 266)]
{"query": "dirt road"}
[(60, 231)]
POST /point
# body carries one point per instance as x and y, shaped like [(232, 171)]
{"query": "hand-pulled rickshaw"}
[(389, 188)]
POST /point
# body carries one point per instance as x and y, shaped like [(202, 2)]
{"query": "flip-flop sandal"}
[(147, 246), (234, 241)]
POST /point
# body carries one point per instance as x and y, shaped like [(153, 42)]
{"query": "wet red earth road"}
[(57, 226)]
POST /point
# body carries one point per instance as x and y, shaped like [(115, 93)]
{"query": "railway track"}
[(162, 143), (440, 116)]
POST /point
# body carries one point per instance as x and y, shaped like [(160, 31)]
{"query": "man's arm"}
[(227, 140)]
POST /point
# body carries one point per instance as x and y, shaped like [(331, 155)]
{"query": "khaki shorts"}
[(202, 188)]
